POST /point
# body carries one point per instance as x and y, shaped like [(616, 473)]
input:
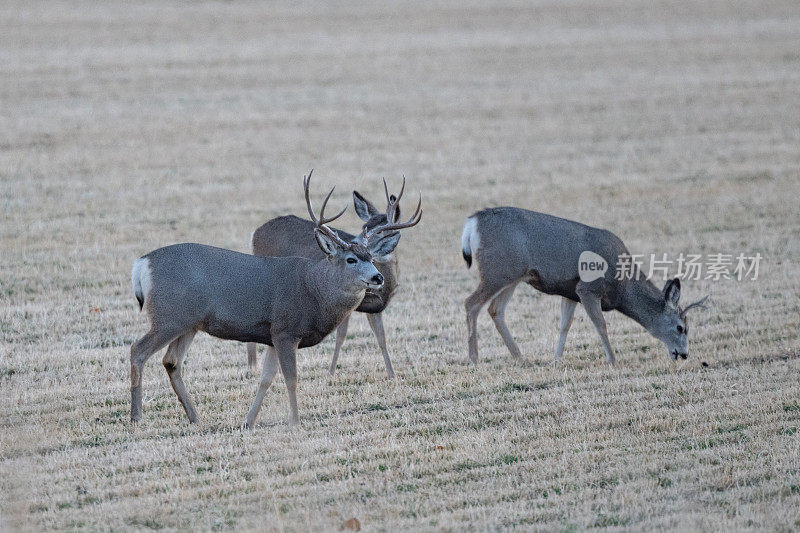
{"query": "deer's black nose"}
[(377, 279)]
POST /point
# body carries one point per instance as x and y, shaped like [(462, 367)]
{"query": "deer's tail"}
[(470, 240), (141, 280)]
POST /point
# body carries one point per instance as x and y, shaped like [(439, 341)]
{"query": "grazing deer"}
[(513, 245), (293, 236), (284, 302)]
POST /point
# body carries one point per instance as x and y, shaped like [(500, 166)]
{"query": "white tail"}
[(141, 280), (470, 240)]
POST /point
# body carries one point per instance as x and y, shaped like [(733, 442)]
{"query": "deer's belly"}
[(236, 331), (312, 339), (565, 288)]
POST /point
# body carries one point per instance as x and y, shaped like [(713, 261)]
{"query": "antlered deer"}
[(513, 245), (292, 236), (284, 302)]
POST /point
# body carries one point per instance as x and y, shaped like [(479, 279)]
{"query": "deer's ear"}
[(364, 208), (325, 243), (672, 291), (384, 245)]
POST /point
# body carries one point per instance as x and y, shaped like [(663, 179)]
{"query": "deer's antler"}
[(392, 204), (322, 221), (392, 201), (701, 303)]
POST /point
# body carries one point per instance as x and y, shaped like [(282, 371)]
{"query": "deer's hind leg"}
[(497, 310), (141, 351), (473, 305), (173, 362)]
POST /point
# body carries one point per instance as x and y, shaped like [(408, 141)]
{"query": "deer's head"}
[(671, 325), (355, 258), (374, 218)]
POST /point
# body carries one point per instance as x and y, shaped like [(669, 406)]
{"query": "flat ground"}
[(127, 127)]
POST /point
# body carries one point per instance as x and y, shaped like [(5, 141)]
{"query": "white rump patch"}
[(470, 239), (141, 277), (253, 242)]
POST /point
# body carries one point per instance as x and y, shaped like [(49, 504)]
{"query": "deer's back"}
[(517, 243), (290, 235), (227, 294)]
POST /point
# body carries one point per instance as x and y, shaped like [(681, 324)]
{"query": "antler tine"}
[(389, 226), (393, 202), (415, 218), (402, 188), (306, 185), (701, 303), (399, 195), (324, 220), (321, 221)]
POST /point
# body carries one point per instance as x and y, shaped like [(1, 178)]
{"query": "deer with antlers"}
[(284, 302), (293, 236)]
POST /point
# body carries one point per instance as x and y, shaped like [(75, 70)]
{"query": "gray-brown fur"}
[(290, 235), (283, 302), (513, 245), (240, 297)]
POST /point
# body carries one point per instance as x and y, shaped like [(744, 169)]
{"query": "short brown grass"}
[(127, 127)]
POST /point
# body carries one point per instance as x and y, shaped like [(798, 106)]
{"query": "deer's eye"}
[(351, 260), (680, 329)]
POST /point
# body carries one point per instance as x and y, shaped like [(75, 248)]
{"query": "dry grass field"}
[(128, 126)]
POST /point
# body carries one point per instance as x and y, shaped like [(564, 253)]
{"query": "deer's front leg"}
[(567, 311), (591, 302), (287, 356), (267, 375), (376, 323), (341, 335), (252, 356)]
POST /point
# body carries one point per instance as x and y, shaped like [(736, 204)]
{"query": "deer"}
[(292, 236), (286, 303), (513, 245)]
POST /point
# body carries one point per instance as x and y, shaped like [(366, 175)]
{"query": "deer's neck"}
[(641, 301), (389, 271), (336, 292)]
